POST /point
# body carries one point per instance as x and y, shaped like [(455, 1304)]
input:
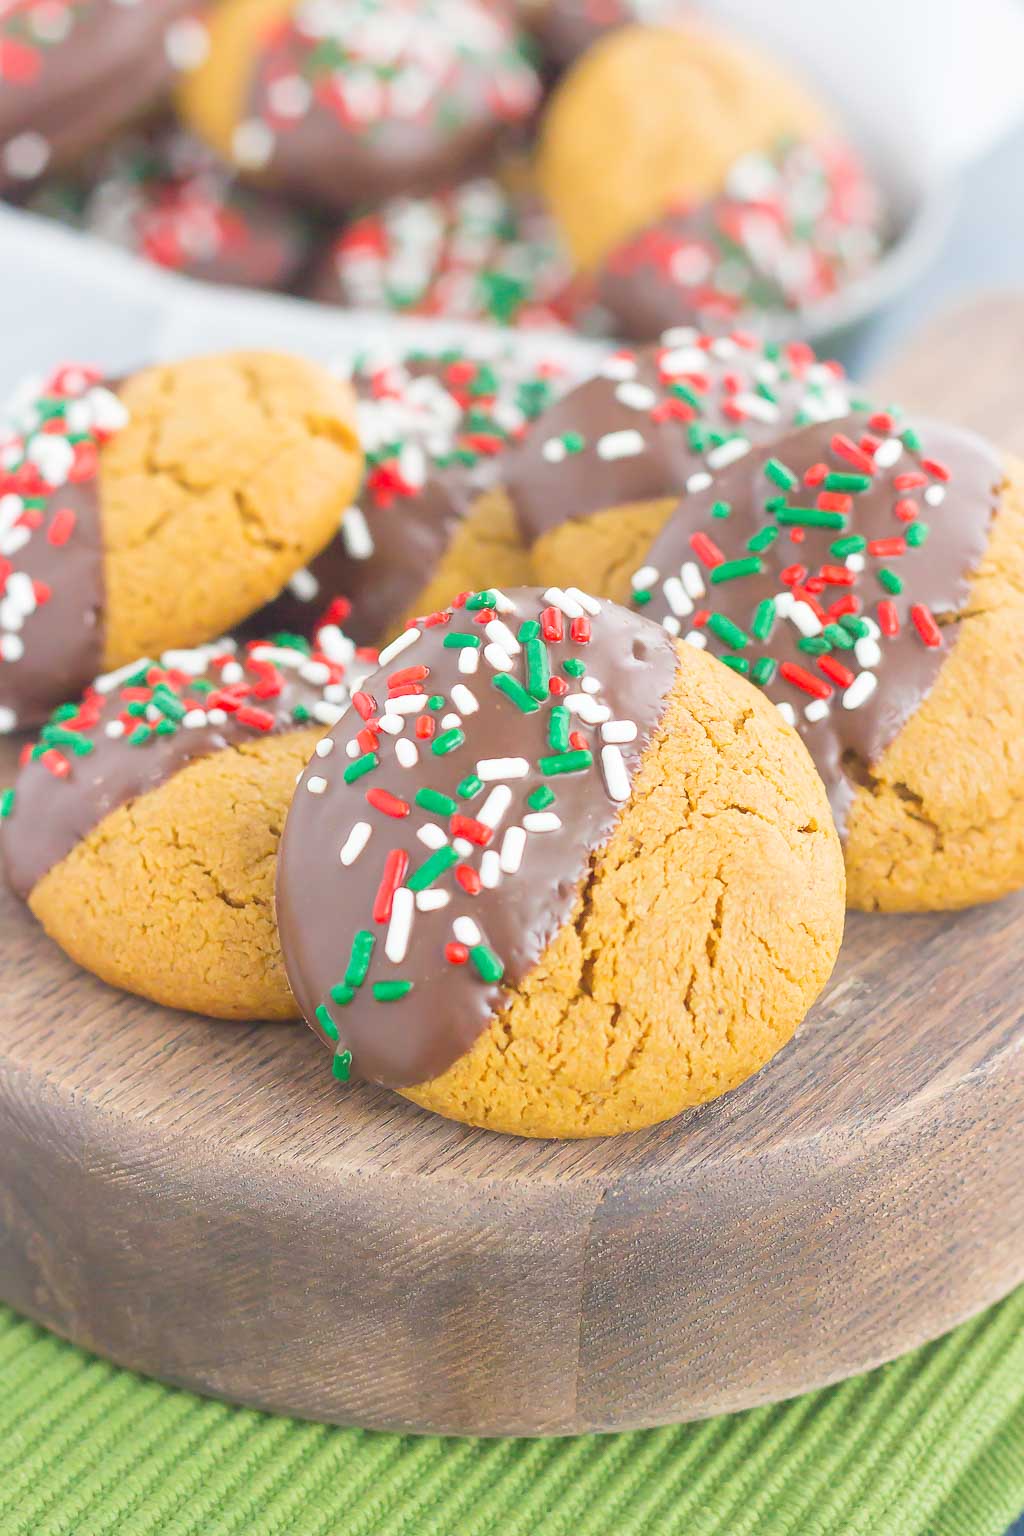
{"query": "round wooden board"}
[(204, 1203)]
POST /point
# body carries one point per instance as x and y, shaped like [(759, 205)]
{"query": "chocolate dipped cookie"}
[(867, 575), (346, 101), (72, 73), (143, 826), (157, 510), (432, 516), (559, 876)]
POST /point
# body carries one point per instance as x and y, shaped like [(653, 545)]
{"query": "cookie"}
[(655, 422), (470, 253), (564, 29), (432, 515), (143, 826), (164, 196), (568, 878), (158, 510), (72, 73), (654, 116), (350, 101), (868, 576), (792, 226)]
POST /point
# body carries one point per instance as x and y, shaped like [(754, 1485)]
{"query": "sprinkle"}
[(620, 445), (924, 622), (615, 776), (706, 550), (542, 821), (315, 784), (515, 691), (432, 901), (395, 866), (732, 570), (860, 690), (447, 742), (433, 800), (383, 800), (362, 765), (490, 869), (471, 785), (391, 991), (729, 633), (326, 1023), (464, 699), (489, 768), (432, 869), (512, 848), (461, 641), (494, 807), (488, 966), (359, 958), (396, 944), (801, 678), (402, 643), (466, 931)]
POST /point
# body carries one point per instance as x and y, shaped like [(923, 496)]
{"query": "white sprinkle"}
[(186, 43), (500, 633), (406, 752), (450, 722), (356, 535), (671, 625), (698, 639), (684, 359), (675, 596), (403, 905), (252, 144), (325, 713), (432, 901), (352, 749), (316, 672), (490, 768), (587, 603), (217, 716), (26, 155), (325, 747), (469, 660), (805, 618), (618, 366), (432, 835), (466, 931), (556, 598), (465, 701), (498, 657), (619, 730), (405, 639), (304, 586), (693, 581), (855, 563), (512, 846), (113, 728), (871, 627), (784, 604), (111, 680), (620, 445), (615, 776), (542, 821), (935, 495), (490, 869), (591, 684), (888, 453), (12, 647), (233, 673), (860, 690), (787, 712), (394, 725), (463, 847), (727, 453), (757, 406), (588, 709), (637, 397), (502, 603), (315, 784), (494, 807), (817, 709), (355, 842), (192, 719), (406, 704), (868, 652), (698, 482), (554, 450), (645, 577)]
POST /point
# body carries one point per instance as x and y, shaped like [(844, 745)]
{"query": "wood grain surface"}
[(204, 1203)]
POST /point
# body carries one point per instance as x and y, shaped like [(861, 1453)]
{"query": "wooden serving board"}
[(204, 1203)]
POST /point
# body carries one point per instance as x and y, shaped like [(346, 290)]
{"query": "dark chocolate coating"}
[(322, 904), (51, 814), (937, 574), (582, 482), (111, 66)]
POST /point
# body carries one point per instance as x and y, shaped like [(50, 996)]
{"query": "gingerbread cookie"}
[(559, 877), (347, 101), (432, 515), (868, 576), (566, 28), (165, 197), (143, 827), (792, 226), (158, 510), (470, 253), (654, 116), (71, 73)]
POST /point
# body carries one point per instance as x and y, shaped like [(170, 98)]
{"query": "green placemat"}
[(932, 1445)]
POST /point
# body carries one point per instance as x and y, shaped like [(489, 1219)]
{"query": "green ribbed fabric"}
[(932, 1445)]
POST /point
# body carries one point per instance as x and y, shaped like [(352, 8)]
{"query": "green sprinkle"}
[(558, 729), (911, 440), (810, 517), (469, 786), (763, 621), (642, 598), (684, 392), (487, 963), (842, 480), (529, 629), (6, 804), (432, 869), (541, 798), (480, 600), (447, 742), (433, 800), (360, 765), (341, 1066), (165, 728), (764, 670), (342, 994), (916, 534), (837, 635), (732, 570), (574, 442), (763, 539), (461, 642), (574, 666), (889, 580), (778, 474), (139, 736), (168, 703), (80, 745), (391, 991), (326, 1023), (515, 691), (300, 714), (853, 544), (774, 503), (721, 509), (538, 668), (136, 709), (728, 632), (737, 663), (359, 958), (814, 645), (566, 762), (696, 437), (436, 702), (857, 627)]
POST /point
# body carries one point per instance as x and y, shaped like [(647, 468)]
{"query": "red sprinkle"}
[(909, 481), (815, 475), (801, 678), (455, 953), (408, 675), (579, 630), (888, 618), (578, 742), (472, 830), (844, 448), (424, 727), (793, 573), (391, 805), (836, 671), (62, 526), (905, 509), (258, 719), (368, 740), (551, 626), (706, 550), (468, 879), (936, 468), (848, 603), (834, 501), (924, 623), (364, 704), (837, 576), (56, 762), (885, 547), (395, 866)]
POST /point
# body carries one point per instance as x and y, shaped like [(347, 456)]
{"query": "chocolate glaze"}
[(111, 65), (566, 28), (336, 162), (322, 903), (52, 814), (425, 406), (937, 574), (632, 393)]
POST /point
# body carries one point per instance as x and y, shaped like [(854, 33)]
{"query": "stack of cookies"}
[(527, 737), (619, 167)]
